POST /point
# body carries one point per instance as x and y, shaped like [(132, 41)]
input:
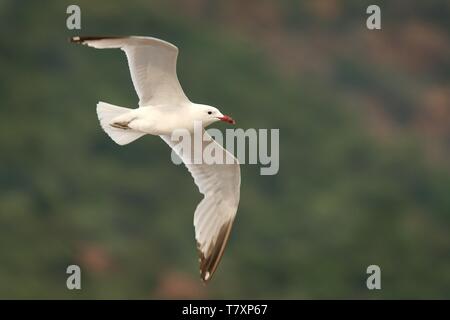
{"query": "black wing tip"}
[(210, 262), (81, 40), (205, 263)]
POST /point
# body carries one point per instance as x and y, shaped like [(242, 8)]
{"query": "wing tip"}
[(210, 261), (82, 40), (74, 39)]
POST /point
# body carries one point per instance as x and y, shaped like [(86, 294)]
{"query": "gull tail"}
[(111, 121)]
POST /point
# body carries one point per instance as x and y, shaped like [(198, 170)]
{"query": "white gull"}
[(163, 108)]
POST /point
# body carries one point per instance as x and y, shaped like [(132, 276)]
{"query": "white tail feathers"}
[(106, 113)]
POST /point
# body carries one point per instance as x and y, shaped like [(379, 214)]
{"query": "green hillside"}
[(342, 200)]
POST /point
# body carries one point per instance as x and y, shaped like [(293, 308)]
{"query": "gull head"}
[(208, 115)]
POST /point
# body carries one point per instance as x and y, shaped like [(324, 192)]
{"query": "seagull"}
[(163, 107)]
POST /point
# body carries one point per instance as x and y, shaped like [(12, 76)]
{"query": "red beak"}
[(227, 119)]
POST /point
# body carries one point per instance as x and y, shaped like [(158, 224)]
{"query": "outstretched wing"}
[(152, 64), (214, 216)]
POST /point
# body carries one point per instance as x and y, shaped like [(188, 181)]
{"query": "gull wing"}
[(214, 216), (152, 64)]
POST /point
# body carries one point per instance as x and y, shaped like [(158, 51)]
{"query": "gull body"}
[(164, 119)]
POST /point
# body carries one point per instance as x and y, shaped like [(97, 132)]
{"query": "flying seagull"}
[(163, 108)]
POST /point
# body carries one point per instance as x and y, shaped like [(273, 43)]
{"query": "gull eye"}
[(209, 112)]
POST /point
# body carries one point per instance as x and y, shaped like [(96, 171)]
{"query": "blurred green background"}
[(364, 119)]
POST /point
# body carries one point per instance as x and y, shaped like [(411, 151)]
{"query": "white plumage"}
[(163, 108)]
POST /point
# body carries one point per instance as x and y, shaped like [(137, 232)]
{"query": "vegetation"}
[(356, 186)]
